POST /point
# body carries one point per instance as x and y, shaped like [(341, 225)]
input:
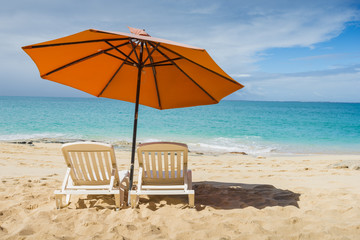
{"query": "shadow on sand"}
[(223, 195), (218, 195)]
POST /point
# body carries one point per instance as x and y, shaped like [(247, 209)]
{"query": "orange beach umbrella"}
[(133, 67)]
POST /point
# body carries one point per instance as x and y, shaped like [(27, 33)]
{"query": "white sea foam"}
[(248, 145), (37, 136), (227, 145)]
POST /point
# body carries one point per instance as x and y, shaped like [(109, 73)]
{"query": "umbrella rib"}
[(231, 80), (122, 59), (202, 89), (116, 72), (149, 54), (132, 45), (79, 60), (70, 43), (154, 72), (121, 52), (113, 76), (158, 65), (160, 62)]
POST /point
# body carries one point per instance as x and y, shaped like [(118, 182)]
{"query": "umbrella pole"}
[(140, 66)]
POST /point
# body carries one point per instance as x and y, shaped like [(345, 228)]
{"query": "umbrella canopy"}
[(133, 67), (105, 64)]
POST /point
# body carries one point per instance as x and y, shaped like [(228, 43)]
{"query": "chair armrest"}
[(140, 178), (112, 179), (124, 178), (66, 179)]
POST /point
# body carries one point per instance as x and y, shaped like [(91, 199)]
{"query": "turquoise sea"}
[(230, 126)]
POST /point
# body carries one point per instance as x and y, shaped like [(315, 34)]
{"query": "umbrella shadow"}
[(223, 195)]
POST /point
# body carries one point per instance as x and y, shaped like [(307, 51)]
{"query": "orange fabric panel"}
[(199, 56), (156, 57), (148, 93), (90, 76), (123, 86), (215, 85), (51, 58), (176, 90)]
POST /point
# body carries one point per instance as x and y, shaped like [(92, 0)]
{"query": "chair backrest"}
[(91, 163), (163, 162)]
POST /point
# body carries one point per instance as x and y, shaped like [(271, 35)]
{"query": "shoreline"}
[(193, 147)]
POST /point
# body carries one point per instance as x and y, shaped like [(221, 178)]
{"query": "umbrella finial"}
[(138, 31)]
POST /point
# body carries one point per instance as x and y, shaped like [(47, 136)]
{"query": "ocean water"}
[(230, 126)]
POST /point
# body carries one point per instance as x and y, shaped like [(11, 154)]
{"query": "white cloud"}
[(240, 75), (205, 10), (235, 33), (324, 56), (238, 42), (327, 85)]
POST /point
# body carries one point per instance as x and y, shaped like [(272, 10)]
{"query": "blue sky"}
[(280, 50)]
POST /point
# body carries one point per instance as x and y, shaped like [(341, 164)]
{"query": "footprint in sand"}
[(52, 175), (26, 231), (294, 220), (131, 227), (28, 185), (32, 206), (155, 229), (3, 230)]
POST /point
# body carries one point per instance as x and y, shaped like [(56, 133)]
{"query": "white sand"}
[(236, 197)]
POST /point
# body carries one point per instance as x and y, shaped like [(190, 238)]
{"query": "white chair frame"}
[(163, 171), (91, 170)]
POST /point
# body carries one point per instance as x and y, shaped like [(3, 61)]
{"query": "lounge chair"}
[(163, 171), (91, 170)]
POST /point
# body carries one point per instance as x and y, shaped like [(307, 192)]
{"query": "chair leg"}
[(134, 198), (191, 199), (58, 200), (122, 196), (67, 199), (117, 200), (189, 179)]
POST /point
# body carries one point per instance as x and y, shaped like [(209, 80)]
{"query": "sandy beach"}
[(236, 197)]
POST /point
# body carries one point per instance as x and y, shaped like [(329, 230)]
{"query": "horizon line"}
[(239, 100)]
